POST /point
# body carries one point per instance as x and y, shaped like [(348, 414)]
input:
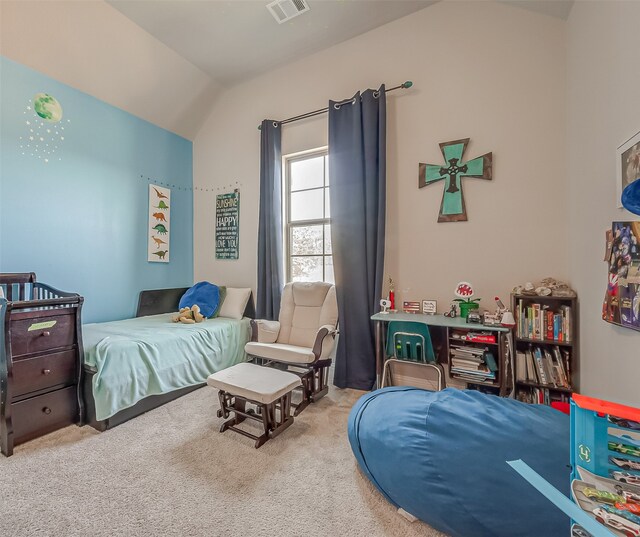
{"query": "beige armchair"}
[(303, 337)]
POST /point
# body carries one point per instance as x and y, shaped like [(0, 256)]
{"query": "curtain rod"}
[(404, 85)]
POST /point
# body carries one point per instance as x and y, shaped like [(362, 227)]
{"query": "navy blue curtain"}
[(357, 164), (270, 275)]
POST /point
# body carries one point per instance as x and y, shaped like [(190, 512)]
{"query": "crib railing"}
[(23, 291)]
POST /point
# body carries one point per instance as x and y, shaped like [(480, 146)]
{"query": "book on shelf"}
[(474, 337), (540, 322), (472, 363), (540, 396), (544, 365)]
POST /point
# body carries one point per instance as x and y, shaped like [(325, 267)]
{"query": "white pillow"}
[(235, 302)]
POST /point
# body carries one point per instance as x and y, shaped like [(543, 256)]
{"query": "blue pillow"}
[(205, 294)]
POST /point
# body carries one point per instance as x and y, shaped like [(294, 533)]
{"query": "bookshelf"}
[(546, 345)]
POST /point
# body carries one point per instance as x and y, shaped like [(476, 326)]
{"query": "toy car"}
[(579, 531), (633, 425), (617, 522), (623, 513), (624, 449), (631, 507), (602, 496), (626, 477), (625, 463)]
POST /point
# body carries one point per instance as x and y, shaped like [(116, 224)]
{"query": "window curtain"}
[(357, 171), (270, 262)]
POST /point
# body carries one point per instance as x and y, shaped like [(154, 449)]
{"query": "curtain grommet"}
[(376, 94), (336, 106), (275, 124)]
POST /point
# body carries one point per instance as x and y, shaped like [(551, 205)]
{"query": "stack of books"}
[(548, 366), (468, 363), (540, 322)]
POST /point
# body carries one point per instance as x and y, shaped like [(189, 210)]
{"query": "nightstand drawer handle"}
[(46, 410), (46, 333), (46, 371)]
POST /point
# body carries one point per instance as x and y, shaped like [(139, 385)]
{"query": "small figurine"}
[(452, 313), (385, 304)]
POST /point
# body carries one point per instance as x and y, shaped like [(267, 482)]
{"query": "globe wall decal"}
[(47, 107)]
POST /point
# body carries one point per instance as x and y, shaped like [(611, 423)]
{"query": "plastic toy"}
[(617, 522), (464, 292), (627, 424), (631, 507), (623, 513), (626, 477), (602, 496), (625, 463), (624, 449), (625, 437), (452, 313), (578, 531)]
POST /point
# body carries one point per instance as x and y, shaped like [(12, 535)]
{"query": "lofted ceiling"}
[(235, 40)]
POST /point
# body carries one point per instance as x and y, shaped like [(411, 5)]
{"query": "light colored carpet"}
[(171, 473)]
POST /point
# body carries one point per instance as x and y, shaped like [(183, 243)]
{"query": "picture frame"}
[(627, 165), (411, 306), (429, 307)]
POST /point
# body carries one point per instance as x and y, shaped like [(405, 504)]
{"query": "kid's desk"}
[(441, 329)]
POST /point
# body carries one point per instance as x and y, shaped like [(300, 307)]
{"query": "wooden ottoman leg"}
[(285, 419)]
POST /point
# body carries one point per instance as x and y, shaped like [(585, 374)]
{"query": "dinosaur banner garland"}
[(158, 229)]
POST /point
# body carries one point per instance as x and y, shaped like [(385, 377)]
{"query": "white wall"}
[(482, 70), (92, 47), (603, 112)]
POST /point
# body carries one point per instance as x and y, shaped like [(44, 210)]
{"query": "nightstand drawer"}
[(33, 374), (42, 333), (45, 413)]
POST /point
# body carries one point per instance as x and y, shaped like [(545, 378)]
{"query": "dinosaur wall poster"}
[(158, 229)]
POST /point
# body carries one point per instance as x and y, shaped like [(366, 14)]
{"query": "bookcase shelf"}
[(545, 342), (537, 314), (544, 386)]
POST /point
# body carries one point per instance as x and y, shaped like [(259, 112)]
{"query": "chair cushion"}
[(255, 382), (305, 307), (281, 352)]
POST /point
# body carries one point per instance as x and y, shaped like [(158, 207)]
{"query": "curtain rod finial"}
[(407, 84)]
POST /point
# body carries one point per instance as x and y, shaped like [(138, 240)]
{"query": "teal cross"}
[(452, 208)]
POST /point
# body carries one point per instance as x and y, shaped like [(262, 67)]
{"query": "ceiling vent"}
[(285, 10)]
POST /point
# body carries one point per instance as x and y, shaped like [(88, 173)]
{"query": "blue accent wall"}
[(79, 221)]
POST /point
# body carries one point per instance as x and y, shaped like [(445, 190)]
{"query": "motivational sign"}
[(228, 225)]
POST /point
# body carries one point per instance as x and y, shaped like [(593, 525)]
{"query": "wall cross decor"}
[(453, 208)]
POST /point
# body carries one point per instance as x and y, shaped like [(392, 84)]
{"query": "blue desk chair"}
[(409, 340), (411, 360)]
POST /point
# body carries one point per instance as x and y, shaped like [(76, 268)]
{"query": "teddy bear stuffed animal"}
[(190, 315)]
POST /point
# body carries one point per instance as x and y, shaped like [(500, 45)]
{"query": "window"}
[(307, 218)]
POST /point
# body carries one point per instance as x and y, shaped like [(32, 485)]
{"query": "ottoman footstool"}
[(265, 388)]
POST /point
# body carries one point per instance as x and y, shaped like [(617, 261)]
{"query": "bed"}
[(135, 365)]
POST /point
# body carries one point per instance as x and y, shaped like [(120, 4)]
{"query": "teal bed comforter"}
[(135, 358)]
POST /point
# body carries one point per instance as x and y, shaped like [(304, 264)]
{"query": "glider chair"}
[(302, 339)]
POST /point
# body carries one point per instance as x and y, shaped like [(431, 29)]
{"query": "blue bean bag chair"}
[(441, 456)]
